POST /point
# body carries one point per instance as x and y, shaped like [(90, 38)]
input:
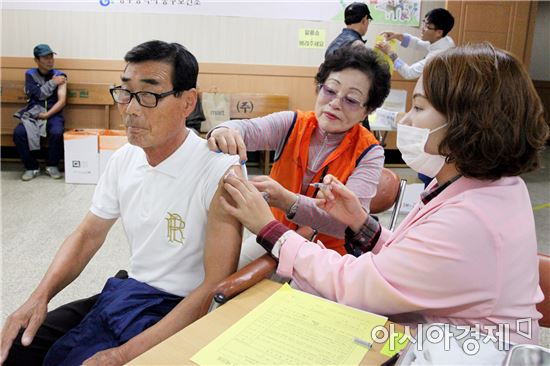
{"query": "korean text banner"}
[(397, 12)]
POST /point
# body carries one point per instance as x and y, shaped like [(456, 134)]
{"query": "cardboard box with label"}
[(87, 152), (109, 142), (81, 161)]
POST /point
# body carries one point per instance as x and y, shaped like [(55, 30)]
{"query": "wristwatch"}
[(393, 56), (293, 209)]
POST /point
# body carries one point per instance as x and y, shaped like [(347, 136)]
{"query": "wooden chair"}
[(389, 193), (81, 98), (544, 282)]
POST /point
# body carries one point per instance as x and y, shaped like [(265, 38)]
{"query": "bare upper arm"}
[(94, 229), (223, 237), (62, 93)]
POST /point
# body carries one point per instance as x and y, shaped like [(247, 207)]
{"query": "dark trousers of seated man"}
[(54, 129), (57, 323)]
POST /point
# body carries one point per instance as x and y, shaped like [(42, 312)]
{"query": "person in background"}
[(165, 187), (46, 90), (436, 25), (357, 18), (467, 252), (434, 39), (351, 83)]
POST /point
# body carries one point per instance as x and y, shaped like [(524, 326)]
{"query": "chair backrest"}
[(386, 193), (13, 91), (544, 282), (389, 193)]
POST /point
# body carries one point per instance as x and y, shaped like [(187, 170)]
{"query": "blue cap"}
[(42, 50)]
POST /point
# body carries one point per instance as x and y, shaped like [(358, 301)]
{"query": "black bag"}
[(196, 117)]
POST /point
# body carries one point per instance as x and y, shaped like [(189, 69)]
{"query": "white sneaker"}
[(53, 172), (30, 174)]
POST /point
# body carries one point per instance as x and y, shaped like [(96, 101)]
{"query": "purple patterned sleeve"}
[(263, 133)]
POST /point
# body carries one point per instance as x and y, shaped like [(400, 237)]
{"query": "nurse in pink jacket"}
[(467, 253)]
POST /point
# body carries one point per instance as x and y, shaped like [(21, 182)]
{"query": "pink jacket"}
[(468, 257)]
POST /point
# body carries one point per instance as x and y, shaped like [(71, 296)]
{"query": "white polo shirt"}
[(163, 209)]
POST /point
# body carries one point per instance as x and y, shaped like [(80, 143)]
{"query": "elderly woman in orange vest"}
[(351, 83)]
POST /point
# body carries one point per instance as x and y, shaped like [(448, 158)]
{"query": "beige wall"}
[(212, 39), (539, 67)]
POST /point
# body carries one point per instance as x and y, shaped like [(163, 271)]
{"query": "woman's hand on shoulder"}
[(228, 141)]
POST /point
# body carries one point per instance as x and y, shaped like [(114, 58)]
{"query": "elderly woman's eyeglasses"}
[(328, 94), (145, 99)]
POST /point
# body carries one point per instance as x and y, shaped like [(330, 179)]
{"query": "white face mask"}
[(411, 142)]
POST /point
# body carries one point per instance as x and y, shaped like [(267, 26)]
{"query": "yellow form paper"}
[(393, 46), (293, 328)]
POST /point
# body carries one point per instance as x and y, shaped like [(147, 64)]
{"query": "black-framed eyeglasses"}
[(425, 26), (144, 98)]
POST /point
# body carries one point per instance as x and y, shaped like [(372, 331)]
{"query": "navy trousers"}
[(54, 129), (57, 323), (124, 309)]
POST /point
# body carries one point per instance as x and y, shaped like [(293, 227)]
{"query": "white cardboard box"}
[(109, 142), (81, 156)]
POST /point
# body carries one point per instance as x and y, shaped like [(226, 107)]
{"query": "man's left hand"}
[(109, 357), (42, 115)]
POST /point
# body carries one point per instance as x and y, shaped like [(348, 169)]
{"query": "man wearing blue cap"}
[(46, 90)]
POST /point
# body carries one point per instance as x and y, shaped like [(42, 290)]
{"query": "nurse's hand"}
[(229, 141), (341, 203), (277, 195), (249, 205)]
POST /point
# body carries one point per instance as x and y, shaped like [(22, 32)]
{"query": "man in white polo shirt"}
[(164, 185)]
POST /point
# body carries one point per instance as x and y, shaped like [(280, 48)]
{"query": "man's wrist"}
[(393, 56)]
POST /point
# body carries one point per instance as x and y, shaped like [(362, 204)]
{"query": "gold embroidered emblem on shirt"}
[(175, 226)]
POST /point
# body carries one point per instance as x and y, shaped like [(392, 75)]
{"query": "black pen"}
[(392, 360)]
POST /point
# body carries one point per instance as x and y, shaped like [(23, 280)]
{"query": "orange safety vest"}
[(290, 166)]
